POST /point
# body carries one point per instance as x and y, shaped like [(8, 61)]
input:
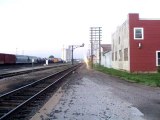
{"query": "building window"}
[(126, 54), (119, 41), (138, 33), (157, 58), (113, 48), (115, 56), (112, 56), (120, 55)]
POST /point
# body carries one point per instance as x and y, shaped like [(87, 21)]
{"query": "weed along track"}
[(23, 102)]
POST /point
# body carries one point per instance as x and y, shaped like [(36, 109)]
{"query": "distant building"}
[(106, 55), (67, 54), (136, 45), (105, 47)]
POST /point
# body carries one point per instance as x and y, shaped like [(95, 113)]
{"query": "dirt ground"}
[(91, 95)]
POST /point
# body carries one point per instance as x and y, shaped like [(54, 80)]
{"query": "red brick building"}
[(136, 45)]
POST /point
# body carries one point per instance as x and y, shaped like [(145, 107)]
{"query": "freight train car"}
[(22, 59), (10, 59), (60, 60), (41, 60), (1, 58), (55, 60), (35, 59), (7, 58)]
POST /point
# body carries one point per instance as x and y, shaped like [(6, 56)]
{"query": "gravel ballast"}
[(11, 83)]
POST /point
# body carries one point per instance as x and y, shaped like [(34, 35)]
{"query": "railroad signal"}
[(74, 47)]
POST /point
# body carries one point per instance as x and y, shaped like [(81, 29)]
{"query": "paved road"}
[(91, 95)]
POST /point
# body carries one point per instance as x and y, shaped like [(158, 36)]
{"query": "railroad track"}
[(5, 75), (22, 102)]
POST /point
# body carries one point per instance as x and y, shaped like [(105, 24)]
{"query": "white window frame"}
[(135, 33), (157, 58)]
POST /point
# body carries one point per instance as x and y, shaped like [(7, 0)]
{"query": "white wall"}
[(106, 59), (120, 41)]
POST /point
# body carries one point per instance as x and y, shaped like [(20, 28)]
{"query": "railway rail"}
[(10, 74), (19, 103)]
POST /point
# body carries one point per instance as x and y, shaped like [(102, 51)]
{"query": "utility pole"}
[(91, 48), (100, 45), (95, 34)]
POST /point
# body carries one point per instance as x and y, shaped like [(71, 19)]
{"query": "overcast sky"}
[(43, 27)]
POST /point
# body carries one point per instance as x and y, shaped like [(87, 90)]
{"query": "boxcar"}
[(9, 59), (1, 58)]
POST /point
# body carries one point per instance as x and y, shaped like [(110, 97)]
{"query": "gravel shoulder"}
[(91, 95)]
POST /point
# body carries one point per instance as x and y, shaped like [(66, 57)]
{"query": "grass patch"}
[(151, 79)]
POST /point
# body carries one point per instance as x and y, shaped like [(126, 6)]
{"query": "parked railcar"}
[(19, 59), (51, 60), (40, 60), (55, 60), (35, 59), (22, 59), (2, 58), (10, 59), (60, 60), (7, 58)]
